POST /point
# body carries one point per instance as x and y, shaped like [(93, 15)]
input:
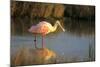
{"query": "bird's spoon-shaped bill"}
[(60, 26)]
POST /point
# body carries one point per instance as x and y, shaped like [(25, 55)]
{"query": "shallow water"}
[(68, 47)]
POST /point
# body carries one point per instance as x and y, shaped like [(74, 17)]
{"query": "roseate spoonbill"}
[(44, 28)]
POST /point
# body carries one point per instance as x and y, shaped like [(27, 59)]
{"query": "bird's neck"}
[(54, 27)]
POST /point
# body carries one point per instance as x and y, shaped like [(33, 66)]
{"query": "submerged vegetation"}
[(27, 56)]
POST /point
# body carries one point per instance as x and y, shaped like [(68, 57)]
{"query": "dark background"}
[(78, 18)]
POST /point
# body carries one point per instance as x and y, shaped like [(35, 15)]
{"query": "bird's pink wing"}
[(42, 28), (32, 29)]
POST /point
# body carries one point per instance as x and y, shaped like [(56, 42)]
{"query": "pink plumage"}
[(44, 28), (41, 28)]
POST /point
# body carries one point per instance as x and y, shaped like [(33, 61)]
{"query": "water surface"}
[(68, 47)]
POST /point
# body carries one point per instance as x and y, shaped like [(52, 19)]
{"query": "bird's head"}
[(58, 22)]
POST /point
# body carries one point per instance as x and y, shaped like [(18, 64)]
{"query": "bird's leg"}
[(35, 41), (42, 41)]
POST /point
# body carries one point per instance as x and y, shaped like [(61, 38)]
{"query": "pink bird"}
[(44, 28)]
